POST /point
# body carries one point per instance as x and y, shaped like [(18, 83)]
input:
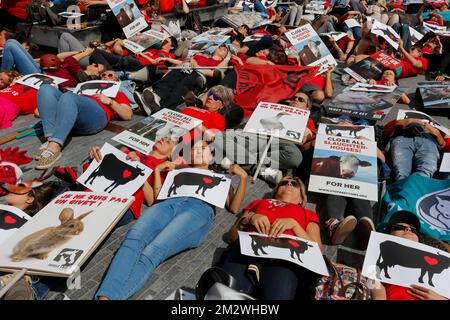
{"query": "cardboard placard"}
[(93, 87), (11, 219), (36, 80), (386, 32), (128, 15), (349, 131), (372, 87)]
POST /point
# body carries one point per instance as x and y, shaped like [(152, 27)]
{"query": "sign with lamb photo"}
[(114, 174), (349, 131), (278, 120), (197, 183), (62, 236), (372, 87), (208, 43), (128, 16), (302, 252), (36, 80), (410, 114), (11, 219), (404, 262), (345, 167), (165, 123), (90, 88)]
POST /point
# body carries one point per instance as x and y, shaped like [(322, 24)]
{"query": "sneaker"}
[(150, 99), (40, 150), (141, 103), (271, 175), (48, 159), (21, 290), (363, 229), (339, 230)]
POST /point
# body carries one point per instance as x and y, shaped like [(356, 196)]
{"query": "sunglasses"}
[(108, 75), (215, 97), (400, 227), (300, 99), (295, 183)]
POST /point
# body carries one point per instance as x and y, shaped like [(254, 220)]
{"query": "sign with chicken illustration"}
[(60, 237), (278, 120)]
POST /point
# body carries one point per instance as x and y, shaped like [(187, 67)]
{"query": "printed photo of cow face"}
[(349, 165)]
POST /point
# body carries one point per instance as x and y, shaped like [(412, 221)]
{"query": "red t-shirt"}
[(409, 71), (69, 70), (394, 292), (204, 61), (110, 114), (153, 54), (319, 81), (427, 50), (210, 120), (24, 97), (274, 209)]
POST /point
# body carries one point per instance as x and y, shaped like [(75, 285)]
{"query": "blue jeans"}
[(403, 31), (63, 113), (162, 231), (14, 55), (357, 31), (414, 156)]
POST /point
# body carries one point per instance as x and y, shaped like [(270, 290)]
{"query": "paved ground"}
[(182, 270)]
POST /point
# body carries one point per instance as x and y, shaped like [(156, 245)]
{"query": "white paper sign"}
[(90, 88), (345, 167), (335, 35), (386, 32), (165, 123), (11, 219), (128, 15), (404, 262), (302, 252), (141, 41), (197, 183), (310, 47), (115, 174), (372, 87), (409, 114), (415, 35), (60, 237), (278, 120), (351, 23), (445, 164), (36, 80), (434, 28), (349, 131)]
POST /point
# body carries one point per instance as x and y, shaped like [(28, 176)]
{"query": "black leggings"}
[(332, 206), (115, 62)]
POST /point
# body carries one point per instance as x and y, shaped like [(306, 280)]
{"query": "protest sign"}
[(128, 15), (90, 88), (36, 80)]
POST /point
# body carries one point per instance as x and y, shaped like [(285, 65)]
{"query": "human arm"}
[(435, 132), (123, 110), (378, 291), (157, 181), (422, 293), (83, 54), (328, 82), (416, 63), (185, 7), (256, 60), (235, 199), (249, 218), (146, 188)]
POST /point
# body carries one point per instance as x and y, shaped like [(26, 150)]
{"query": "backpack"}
[(344, 283)]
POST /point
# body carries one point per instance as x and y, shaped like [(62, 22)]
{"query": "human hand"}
[(331, 69), (167, 165), (389, 83), (424, 293), (236, 170), (282, 224), (400, 43), (104, 99), (95, 153), (133, 156), (372, 81), (261, 223)]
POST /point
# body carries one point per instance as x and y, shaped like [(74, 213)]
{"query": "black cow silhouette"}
[(414, 115), (203, 181), (394, 254), (9, 220), (111, 168), (387, 33), (295, 246), (43, 79), (352, 129), (99, 87)]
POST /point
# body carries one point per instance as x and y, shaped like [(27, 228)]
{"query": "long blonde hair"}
[(303, 195)]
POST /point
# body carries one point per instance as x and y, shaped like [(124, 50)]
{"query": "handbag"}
[(343, 283)]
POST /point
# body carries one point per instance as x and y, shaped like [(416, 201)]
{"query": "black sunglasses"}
[(295, 183), (214, 96), (400, 227), (300, 99)]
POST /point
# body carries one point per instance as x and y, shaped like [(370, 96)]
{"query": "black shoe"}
[(146, 110), (149, 100)]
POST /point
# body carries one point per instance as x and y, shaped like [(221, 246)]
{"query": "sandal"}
[(48, 159)]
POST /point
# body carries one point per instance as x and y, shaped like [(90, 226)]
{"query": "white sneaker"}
[(271, 175)]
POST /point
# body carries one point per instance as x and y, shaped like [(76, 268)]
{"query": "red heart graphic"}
[(431, 261), (10, 220), (126, 173), (103, 85), (207, 180)]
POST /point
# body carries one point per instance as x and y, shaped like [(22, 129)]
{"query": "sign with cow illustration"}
[(61, 236), (302, 252), (278, 120), (349, 131), (115, 174), (90, 88), (404, 262), (165, 123), (36, 80), (11, 219), (345, 167), (409, 114), (202, 184)]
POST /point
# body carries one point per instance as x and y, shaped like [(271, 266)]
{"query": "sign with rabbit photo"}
[(284, 122), (115, 174), (60, 237)]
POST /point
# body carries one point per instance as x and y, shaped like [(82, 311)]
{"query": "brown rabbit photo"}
[(40, 243)]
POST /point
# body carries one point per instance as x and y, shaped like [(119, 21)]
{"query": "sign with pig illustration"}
[(115, 174), (278, 120), (90, 88), (302, 252), (60, 237), (404, 262), (197, 183)]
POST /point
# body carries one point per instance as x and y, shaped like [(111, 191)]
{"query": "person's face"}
[(213, 102), (4, 80), (222, 52), (18, 200), (300, 100), (95, 69), (165, 146), (431, 44), (167, 45), (201, 153), (289, 189), (406, 234), (109, 76), (388, 75), (242, 30), (415, 52)]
